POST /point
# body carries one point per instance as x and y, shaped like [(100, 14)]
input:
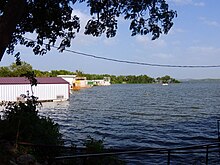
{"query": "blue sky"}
[(193, 40)]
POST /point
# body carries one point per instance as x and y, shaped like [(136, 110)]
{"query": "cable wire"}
[(133, 62), (142, 63)]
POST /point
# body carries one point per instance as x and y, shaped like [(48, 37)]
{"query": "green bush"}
[(22, 123), (97, 146)]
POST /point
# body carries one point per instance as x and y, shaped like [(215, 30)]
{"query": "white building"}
[(71, 79), (47, 89), (104, 82), (77, 83)]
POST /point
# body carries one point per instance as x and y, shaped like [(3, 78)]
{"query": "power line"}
[(134, 62), (142, 63)]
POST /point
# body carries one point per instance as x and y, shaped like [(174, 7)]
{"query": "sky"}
[(193, 40)]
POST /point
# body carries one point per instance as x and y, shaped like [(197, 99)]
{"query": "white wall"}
[(69, 80), (42, 91)]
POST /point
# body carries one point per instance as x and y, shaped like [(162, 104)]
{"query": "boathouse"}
[(69, 78), (47, 89)]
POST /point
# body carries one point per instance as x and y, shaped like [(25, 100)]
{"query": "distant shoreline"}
[(200, 80)]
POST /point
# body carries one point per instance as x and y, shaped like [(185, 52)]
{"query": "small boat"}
[(165, 84)]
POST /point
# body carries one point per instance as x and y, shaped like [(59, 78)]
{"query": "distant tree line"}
[(15, 70)]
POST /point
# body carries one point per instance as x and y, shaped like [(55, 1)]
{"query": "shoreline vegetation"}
[(22, 123), (15, 70), (28, 138)]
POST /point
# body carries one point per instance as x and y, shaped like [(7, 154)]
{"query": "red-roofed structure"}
[(47, 89), (40, 80)]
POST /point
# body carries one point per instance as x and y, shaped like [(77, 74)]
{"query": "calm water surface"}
[(146, 115)]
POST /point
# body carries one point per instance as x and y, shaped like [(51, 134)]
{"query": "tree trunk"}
[(12, 15)]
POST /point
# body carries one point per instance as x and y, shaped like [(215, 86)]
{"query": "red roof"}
[(40, 80)]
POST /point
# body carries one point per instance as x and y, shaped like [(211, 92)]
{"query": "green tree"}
[(20, 70), (22, 123), (97, 146), (15, 70), (54, 73), (79, 73), (52, 21), (5, 72), (39, 73), (172, 80), (165, 79)]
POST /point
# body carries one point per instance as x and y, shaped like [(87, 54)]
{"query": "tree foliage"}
[(97, 146), (5, 71), (53, 21), (22, 123), (20, 70), (131, 79), (15, 70), (25, 69), (167, 79), (23, 117)]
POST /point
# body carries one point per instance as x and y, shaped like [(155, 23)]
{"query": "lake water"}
[(141, 115)]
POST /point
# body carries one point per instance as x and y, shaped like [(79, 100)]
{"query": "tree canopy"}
[(25, 69), (53, 21), (15, 70)]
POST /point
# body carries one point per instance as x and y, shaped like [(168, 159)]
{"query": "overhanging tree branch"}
[(53, 21), (8, 22)]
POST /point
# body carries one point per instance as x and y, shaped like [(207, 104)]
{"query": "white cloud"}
[(187, 2), (178, 30), (176, 43), (180, 2), (81, 38), (163, 55), (175, 30), (144, 40), (210, 22), (199, 4), (110, 41), (205, 50), (83, 17)]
